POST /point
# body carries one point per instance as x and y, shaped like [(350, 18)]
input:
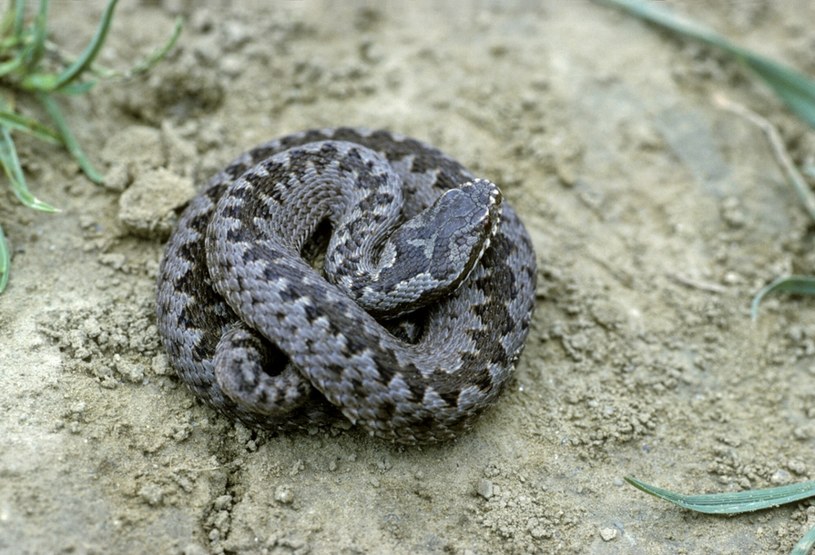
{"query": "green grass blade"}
[(19, 17), (782, 78), (649, 11), (68, 138), (795, 89), (47, 82), (11, 33), (159, 54), (805, 544), (5, 261), (76, 88), (13, 64), (11, 166), (11, 17), (30, 126), (731, 503), (802, 285), (147, 63), (12, 25), (36, 47)]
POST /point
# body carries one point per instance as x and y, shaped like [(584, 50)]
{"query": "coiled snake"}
[(411, 321)]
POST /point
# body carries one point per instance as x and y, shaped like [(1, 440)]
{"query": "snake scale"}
[(352, 271)]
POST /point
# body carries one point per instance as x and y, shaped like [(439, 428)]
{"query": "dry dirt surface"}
[(655, 216)]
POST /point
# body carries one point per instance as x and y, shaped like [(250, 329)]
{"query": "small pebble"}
[(283, 494), (780, 476), (608, 534), (152, 494), (485, 488)]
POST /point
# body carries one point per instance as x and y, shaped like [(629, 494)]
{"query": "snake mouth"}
[(490, 225), (494, 212), (491, 221)]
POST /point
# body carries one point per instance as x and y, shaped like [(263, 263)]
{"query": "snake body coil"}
[(412, 327)]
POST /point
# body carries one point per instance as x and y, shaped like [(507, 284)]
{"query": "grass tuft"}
[(24, 50)]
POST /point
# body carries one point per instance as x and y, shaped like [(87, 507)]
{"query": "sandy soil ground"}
[(654, 214)]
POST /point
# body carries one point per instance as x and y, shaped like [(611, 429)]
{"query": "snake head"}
[(467, 218), (431, 255)]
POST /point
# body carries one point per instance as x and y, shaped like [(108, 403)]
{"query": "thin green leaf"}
[(802, 285), (11, 166), (13, 22), (78, 88), (68, 138), (731, 503), (29, 125), (45, 82), (650, 12), (805, 544), (159, 54), (795, 89), (7, 22), (19, 17), (5, 261), (12, 65), (147, 63), (36, 47), (12, 25)]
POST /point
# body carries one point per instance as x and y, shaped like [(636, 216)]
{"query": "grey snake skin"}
[(347, 271)]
